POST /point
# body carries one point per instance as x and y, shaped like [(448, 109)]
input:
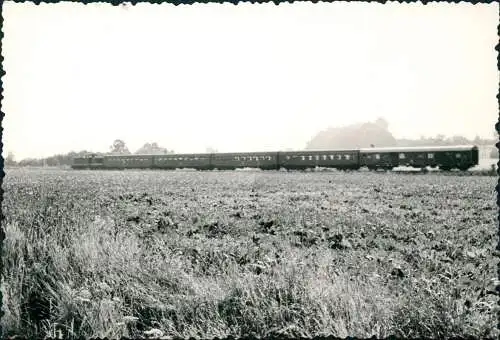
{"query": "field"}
[(206, 254)]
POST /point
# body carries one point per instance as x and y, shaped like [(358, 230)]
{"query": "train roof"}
[(420, 148), (320, 150), (316, 151)]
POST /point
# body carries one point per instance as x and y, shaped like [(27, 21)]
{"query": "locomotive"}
[(460, 157)]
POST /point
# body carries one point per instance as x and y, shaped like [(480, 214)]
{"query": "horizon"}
[(177, 75)]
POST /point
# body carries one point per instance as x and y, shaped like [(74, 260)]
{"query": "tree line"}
[(352, 136), (118, 147), (377, 134)]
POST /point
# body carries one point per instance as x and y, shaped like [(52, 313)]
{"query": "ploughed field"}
[(206, 254)]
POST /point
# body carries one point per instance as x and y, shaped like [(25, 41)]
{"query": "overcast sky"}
[(242, 78)]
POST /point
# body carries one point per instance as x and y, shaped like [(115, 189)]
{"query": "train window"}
[(401, 156), (339, 157), (377, 156), (331, 157), (288, 157), (347, 157), (262, 158), (458, 155), (324, 157), (310, 158), (317, 157), (268, 158), (237, 158), (303, 158)]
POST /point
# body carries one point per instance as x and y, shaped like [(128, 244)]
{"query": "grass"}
[(191, 254)]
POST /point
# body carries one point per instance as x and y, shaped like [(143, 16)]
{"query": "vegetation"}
[(153, 149), (354, 136), (377, 134), (348, 137), (118, 147), (143, 253)]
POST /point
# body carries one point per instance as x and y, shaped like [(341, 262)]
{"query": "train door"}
[(445, 160), (462, 160), (420, 159), (393, 159)]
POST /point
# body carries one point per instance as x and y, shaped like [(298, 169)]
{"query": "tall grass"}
[(74, 267)]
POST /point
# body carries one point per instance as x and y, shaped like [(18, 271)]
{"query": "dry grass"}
[(192, 254)]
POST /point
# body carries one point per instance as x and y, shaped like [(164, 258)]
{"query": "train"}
[(446, 158)]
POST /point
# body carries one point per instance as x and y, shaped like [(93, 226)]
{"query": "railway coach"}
[(228, 161), (446, 158), (339, 159), (460, 157), (89, 162)]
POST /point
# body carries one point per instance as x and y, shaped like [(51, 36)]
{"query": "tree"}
[(440, 139), (382, 123), (460, 140), (11, 159), (353, 136), (152, 149), (119, 147)]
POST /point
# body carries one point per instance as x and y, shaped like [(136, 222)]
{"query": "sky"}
[(251, 77)]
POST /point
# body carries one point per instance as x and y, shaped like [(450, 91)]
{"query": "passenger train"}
[(446, 158)]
